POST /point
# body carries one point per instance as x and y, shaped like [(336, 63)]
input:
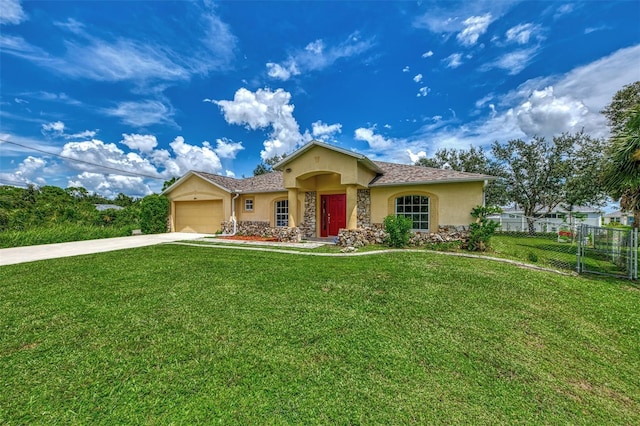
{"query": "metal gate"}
[(608, 251)]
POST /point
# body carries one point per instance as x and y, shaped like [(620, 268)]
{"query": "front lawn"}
[(196, 334)]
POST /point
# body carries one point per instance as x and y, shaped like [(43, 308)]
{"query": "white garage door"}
[(199, 216)]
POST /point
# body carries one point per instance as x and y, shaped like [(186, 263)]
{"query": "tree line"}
[(36, 207)]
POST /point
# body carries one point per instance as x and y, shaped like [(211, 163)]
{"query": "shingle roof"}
[(268, 182), (392, 174), (396, 174)]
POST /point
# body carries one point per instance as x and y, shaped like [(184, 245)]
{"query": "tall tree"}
[(266, 166), (541, 175), (622, 173), (473, 160), (168, 183), (623, 102)]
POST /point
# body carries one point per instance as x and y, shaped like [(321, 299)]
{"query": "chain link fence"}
[(569, 247)]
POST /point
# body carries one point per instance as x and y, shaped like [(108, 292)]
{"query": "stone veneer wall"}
[(263, 229), (308, 225), (375, 234), (364, 208)]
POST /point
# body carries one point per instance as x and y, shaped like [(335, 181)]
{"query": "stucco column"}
[(293, 207), (352, 207)]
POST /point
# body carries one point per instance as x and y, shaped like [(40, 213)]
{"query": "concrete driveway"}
[(10, 256)]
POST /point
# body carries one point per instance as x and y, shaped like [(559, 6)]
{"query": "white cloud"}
[(20, 101), (324, 131), (111, 185), (546, 114), (191, 157), (522, 33), (281, 73), (416, 157), (11, 12), (417, 78), (30, 170), (406, 69), (143, 113), (229, 173), (376, 142), (87, 134), (590, 30), (427, 54), (316, 56), (474, 27), (226, 148), (265, 109), (423, 91), (564, 9), (55, 127), (92, 152), (454, 60), (513, 62), (142, 143), (85, 55)]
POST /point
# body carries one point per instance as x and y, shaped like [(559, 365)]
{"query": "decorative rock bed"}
[(264, 230), (376, 235), (355, 238)]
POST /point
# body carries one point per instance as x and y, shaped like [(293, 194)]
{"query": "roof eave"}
[(194, 173), (432, 182)]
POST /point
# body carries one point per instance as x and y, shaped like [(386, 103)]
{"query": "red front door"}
[(334, 214)]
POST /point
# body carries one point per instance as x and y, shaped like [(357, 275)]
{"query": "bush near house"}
[(398, 229), (154, 210), (481, 231)]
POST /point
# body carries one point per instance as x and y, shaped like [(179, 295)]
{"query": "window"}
[(248, 204), (416, 208), (282, 213)]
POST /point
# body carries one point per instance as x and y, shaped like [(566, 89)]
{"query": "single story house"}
[(321, 189), (512, 219), (619, 218)]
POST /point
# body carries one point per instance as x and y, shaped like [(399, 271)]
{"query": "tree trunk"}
[(531, 223), (636, 218)]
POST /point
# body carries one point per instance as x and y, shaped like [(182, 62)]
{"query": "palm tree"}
[(622, 172)]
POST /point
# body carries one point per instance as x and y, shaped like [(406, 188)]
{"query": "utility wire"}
[(81, 161), (14, 183)]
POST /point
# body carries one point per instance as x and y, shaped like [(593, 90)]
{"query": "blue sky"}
[(150, 90)]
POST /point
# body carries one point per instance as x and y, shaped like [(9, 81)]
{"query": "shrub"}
[(154, 210), (481, 231), (398, 229)]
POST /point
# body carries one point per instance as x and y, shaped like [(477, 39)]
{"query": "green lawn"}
[(201, 335)]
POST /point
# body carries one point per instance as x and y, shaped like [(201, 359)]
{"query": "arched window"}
[(416, 208), (282, 213)]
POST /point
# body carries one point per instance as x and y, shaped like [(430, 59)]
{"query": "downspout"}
[(233, 217)]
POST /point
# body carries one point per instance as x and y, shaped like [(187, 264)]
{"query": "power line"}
[(81, 161), (14, 183)]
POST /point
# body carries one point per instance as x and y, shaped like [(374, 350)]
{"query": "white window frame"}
[(281, 213), (248, 204), (416, 209)]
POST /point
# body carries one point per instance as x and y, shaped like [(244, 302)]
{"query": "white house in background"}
[(512, 219), (619, 217)]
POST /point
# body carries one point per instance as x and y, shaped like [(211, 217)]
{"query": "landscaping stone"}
[(375, 234), (264, 230)]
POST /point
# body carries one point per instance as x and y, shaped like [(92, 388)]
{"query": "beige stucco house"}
[(321, 189)]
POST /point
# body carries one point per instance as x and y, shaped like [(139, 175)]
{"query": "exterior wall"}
[(449, 204), (193, 189), (263, 207), (322, 161)]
